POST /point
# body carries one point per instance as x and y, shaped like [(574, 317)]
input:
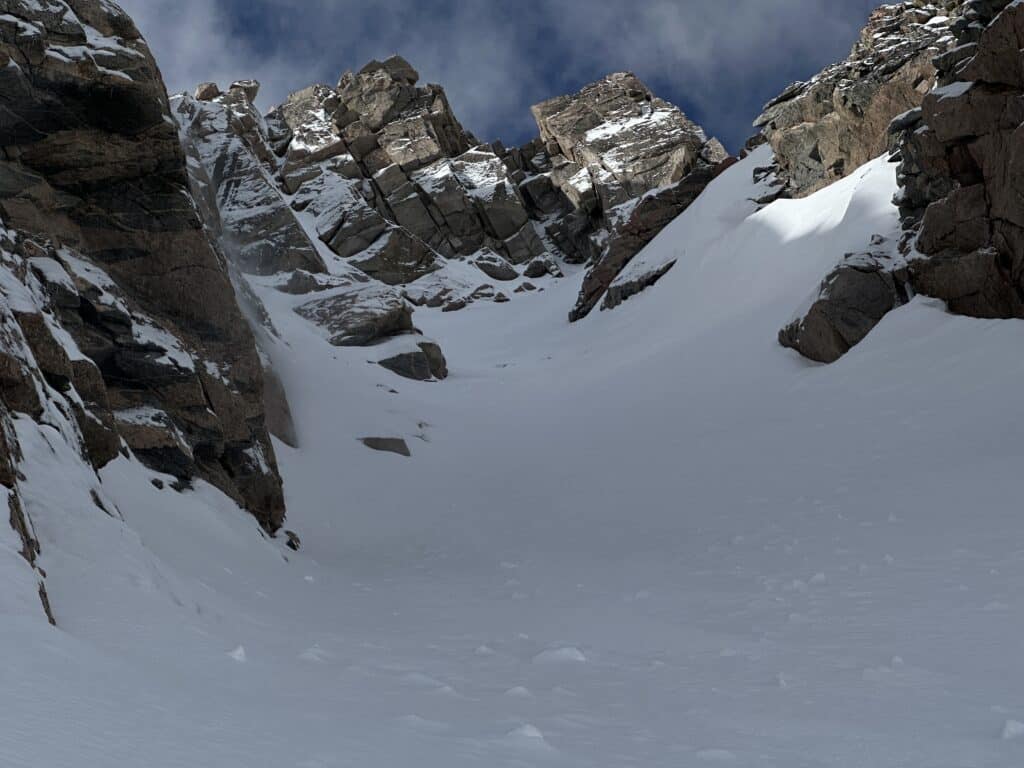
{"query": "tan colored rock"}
[(825, 128)]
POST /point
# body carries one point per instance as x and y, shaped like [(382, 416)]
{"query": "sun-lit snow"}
[(652, 538)]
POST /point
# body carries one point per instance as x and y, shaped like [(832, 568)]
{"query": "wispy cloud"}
[(719, 60)]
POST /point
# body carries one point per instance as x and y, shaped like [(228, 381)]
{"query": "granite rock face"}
[(382, 179), (381, 173), (628, 141), (116, 288), (962, 166), (825, 128), (613, 166), (959, 153), (253, 222), (310, 198)]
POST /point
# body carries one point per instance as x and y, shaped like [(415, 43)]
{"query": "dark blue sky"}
[(719, 60)]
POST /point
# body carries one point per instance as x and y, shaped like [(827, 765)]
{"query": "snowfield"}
[(653, 538)]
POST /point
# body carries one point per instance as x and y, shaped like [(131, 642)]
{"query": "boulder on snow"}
[(851, 301), (494, 266), (387, 445), (422, 361), (360, 315)]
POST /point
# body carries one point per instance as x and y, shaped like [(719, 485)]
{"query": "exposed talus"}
[(95, 190), (825, 128)]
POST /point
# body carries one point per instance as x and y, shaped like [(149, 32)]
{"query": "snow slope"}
[(653, 538)]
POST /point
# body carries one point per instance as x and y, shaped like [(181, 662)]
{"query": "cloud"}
[(719, 59)]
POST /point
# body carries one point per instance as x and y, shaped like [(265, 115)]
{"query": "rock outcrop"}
[(393, 182), (288, 203), (382, 179), (613, 166), (123, 304), (825, 128), (959, 156), (633, 226), (231, 171), (962, 164), (851, 301)]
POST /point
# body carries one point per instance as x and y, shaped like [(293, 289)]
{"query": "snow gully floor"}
[(650, 539)]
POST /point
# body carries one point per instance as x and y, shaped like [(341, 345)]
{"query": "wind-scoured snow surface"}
[(653, 538)]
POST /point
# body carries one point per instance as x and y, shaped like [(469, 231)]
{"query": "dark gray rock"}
[(397, 258), (852, 300), (494, 266), (96, 171), (424, 362), (387, 445)]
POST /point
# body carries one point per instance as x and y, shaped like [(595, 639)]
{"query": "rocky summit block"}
[(380, 171), (629, 140), (625, 163), (95, 185)]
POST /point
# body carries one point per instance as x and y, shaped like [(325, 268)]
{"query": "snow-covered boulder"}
[(360, 315)]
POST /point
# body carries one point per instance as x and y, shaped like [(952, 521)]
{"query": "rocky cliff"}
[(957, 152), (369, 198), (121, 327), (629, 163), (824, 128)]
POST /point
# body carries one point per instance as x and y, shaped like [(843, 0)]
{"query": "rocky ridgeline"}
[(827, 127), (959, 155), (120, 328), (372, 196)]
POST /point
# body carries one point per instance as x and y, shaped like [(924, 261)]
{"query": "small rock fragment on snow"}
[(387, 445)]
